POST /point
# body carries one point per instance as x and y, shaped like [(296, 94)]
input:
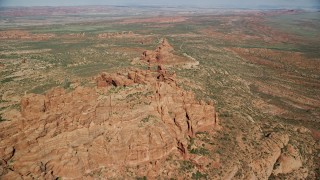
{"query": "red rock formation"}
[(288, 161), (271, 148), (106, 79), (138, 117), (163, 54)]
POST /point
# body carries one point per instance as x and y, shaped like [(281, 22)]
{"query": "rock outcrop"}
[(288, 161), (130, 118), (267, 155), (160, 54), (164, 54)]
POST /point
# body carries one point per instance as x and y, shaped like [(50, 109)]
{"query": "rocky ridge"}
[(131, 118), (165, 54)]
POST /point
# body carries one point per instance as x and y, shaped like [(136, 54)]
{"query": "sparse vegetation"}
[(43, 88), (148, 118), (9, 79), (116, 89), (198, 175), (1, 118), (141, 178), (66, 83), (186, 166), (200, 151)]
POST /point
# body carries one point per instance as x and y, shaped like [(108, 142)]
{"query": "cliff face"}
[(131, 118)]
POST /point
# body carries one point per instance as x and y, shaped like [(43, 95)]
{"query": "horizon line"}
[(262, 7)]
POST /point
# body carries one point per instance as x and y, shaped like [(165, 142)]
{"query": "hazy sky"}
[(195, 3)]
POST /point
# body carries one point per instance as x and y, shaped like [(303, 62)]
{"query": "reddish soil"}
[(237, 33), (246, 54), (277, 59)]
